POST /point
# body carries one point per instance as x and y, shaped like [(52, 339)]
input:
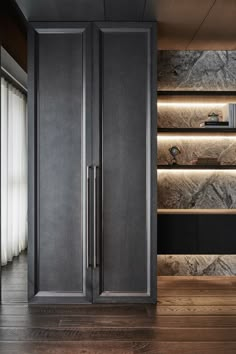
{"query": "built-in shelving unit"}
[(194, 101)]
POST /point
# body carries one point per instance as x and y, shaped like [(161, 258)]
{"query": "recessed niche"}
[(193, 147), (196, 189), (186, 116)]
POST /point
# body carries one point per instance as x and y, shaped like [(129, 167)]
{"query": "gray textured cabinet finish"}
[(59, 151), (92, 240), (125, 136)]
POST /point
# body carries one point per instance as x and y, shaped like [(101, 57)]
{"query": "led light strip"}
[(163, 137), (189, 104), (181, 170)]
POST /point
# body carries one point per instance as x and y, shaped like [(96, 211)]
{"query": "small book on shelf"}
[(211, 124)]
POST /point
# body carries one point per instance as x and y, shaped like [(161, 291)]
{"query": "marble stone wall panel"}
[(185, 117), (208, 265), (196, 189), (196, 70), (222, 148)]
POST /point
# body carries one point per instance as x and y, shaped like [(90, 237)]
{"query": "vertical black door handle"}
[(95, 217), (87, 216)]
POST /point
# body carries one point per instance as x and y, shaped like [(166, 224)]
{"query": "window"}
[(13, 172)]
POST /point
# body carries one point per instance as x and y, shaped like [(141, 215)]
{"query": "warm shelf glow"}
[(190, 104), (196, 211), (195, 171), (165, 137)]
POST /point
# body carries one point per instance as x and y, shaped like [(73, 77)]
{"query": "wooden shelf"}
[(196, 211), (196, 97), (196, 167), (202, 131), (197, 93)]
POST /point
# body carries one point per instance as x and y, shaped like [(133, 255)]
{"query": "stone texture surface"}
[(185, 117), (196, 265), (197, 70), (222, 148), (187, 189)]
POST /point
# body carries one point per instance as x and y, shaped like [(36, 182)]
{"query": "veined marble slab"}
[(185, 117), (179, 189), (196, 70), (196, 265), (223, 148)]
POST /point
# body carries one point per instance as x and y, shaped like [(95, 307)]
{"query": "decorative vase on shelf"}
[(174, 151), (213, 117)]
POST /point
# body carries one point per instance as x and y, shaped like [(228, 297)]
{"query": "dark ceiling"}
[(182, 24), (84, 10)]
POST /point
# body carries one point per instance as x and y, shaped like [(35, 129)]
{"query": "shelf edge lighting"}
[(189, 104), (195, 137), (201, 170), (196, 211)]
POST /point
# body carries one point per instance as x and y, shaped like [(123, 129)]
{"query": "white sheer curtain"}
[(13, 172)]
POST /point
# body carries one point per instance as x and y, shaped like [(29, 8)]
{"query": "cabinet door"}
[(59, 151), (125, 153), (177, 234), (216, 234)]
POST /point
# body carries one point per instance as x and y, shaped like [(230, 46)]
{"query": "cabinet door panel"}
[(177, 234), (216, 234), (126, 163), (60, 196)]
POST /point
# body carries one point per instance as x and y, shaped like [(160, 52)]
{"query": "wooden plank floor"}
[(194, 315), (14, 280)]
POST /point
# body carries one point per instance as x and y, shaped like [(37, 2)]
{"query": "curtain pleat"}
[(13, 172)]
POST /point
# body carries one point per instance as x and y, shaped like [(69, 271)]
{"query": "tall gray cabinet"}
[(92, 162)]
